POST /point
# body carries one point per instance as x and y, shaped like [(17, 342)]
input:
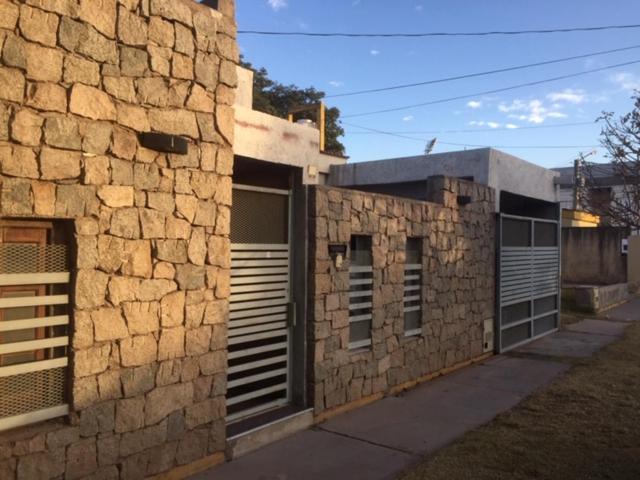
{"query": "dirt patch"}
[(585, 425)]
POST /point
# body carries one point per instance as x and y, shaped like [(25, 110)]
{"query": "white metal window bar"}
[(360, 298), (33, 369), (412, 299)]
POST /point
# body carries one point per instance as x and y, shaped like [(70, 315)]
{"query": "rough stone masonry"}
[(79, 80), (457, 293)]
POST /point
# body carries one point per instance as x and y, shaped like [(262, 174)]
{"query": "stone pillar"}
[(79, 81)]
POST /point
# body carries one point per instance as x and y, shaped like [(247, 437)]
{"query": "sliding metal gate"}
[(529, 279), (260, 303)]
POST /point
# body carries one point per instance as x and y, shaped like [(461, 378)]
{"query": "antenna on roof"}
[(429, 148)]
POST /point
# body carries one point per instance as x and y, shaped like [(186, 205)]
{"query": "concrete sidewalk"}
[(379, 440)]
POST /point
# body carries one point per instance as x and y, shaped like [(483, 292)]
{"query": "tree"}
[(274, 98), (621, 139)]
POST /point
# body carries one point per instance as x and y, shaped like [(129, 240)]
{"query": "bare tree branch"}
[(613, 190)]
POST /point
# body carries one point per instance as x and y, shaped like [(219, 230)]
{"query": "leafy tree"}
[(275, 98), (621, 139)]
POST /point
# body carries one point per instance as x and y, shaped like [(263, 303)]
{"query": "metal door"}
[(528, 279), (261, 311)]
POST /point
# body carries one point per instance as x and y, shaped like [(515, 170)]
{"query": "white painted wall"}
[(272, 139)]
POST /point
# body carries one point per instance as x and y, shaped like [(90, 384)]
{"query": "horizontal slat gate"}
[(529, 283), (258, 376), (33, 333)]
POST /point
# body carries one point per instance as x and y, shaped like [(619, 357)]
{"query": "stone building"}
[(121, 371), (179, 283)]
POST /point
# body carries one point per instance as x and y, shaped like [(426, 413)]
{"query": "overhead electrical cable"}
[(438, 34), (543, 147), (483, 130), (422, 140), (480, 74), (489, 92)]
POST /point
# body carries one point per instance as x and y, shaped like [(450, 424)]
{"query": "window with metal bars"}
[(34, 319), (412, 288), (360, 292)]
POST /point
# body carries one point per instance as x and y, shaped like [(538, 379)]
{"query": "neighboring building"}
[(528, 230), (183, 279), (606, 185), (508, 175)]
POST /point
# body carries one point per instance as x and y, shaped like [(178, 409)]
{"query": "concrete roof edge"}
[(412, 157), (494, 151)]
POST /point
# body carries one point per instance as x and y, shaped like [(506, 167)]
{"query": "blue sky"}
[(339, 65)]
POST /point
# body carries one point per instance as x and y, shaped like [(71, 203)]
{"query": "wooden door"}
[(36, 235)]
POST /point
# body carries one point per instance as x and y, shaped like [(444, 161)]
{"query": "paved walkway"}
[(379, 440)]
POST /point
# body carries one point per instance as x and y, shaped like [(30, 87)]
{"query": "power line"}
[(480, 74), (484, 130), (544, 147), (422, 140), (489, 92), (438, 34)]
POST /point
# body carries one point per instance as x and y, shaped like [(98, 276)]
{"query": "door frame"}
[(291, 308)]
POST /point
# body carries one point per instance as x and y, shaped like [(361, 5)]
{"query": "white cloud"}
[(532, 111), (515, 106), (482, 123), (626, 81), (355, 3), (408, 118), (474, 104), (568, 95), (277, 4), (511, 126), (336, 83), (419, 8), (374, 52)]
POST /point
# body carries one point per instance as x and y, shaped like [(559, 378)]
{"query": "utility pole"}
[(576, 181), (578, 178)]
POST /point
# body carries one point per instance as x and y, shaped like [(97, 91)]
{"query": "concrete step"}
[(251, 440)]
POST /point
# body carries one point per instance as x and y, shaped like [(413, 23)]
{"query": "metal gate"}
[(260, 305), (528, 279)]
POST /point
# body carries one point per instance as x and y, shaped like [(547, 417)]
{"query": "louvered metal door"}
[(528, 279), (260, 303)]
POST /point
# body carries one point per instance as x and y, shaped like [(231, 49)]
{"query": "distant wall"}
[(593, 255)]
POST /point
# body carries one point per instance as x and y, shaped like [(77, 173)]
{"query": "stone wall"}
[(457, 292), (79, 79)]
